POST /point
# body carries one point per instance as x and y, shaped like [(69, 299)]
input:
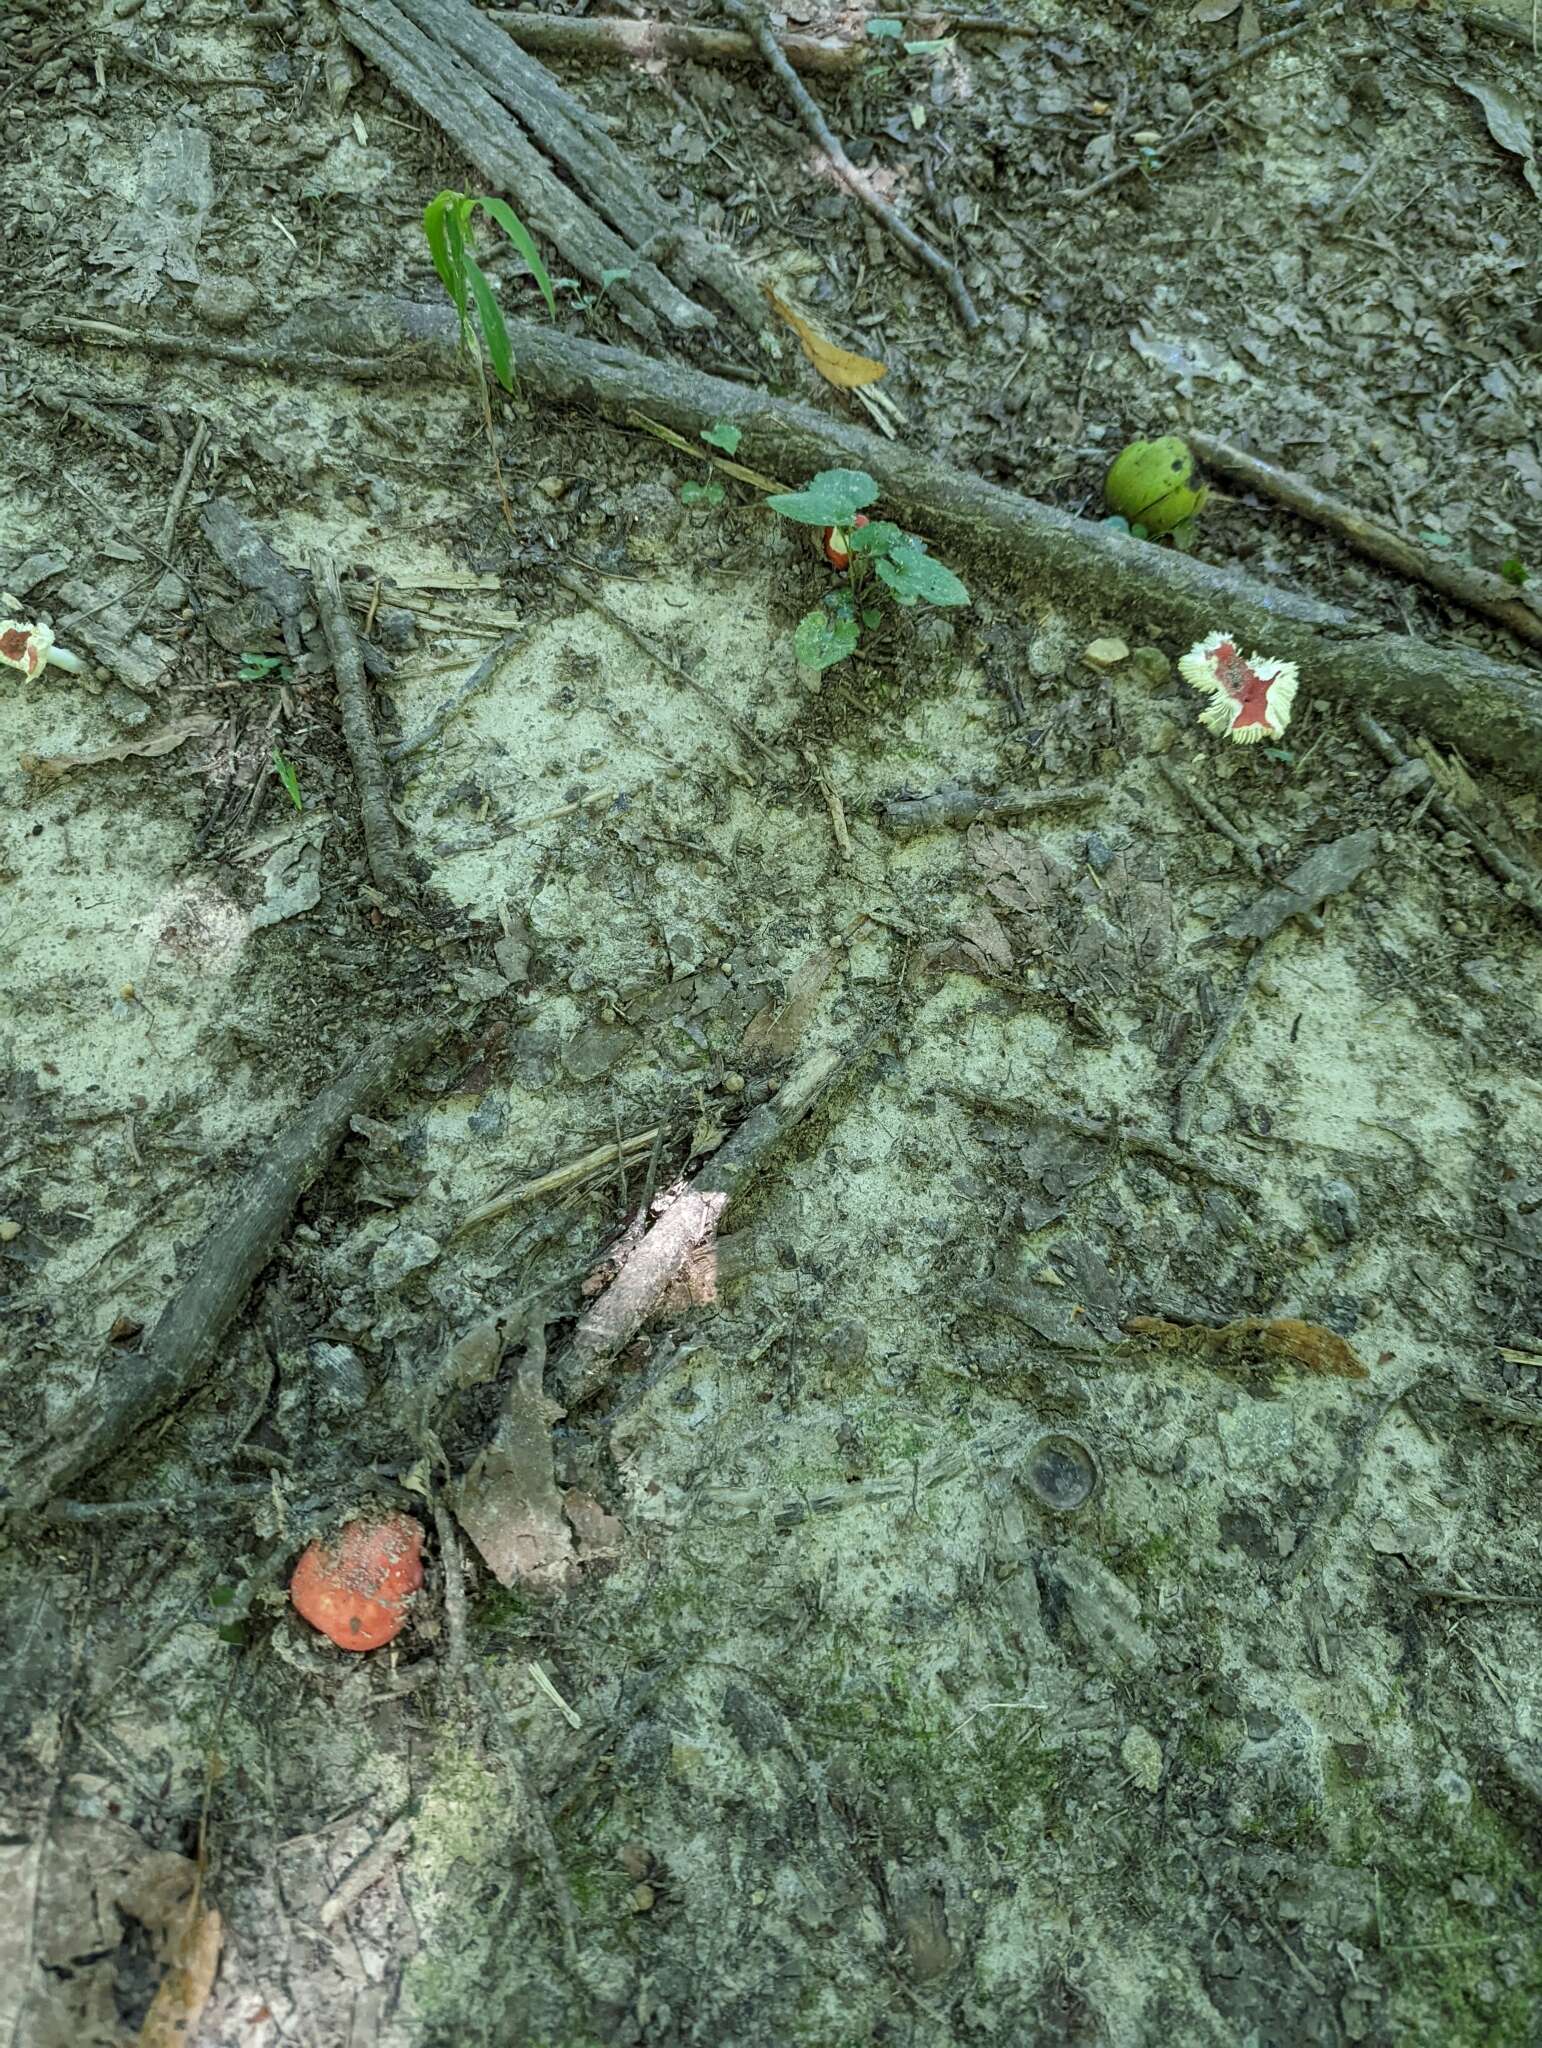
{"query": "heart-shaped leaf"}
[(833, 498), (821, 641), (912, 574)]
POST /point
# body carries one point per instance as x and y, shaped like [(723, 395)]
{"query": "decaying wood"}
[(613, 39), (1490, 709), (141, 1386), (520, 128), (956, 806), (690, 1220), (1480, 590), (382, 835)]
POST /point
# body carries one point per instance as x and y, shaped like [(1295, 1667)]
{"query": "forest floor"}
[(897, 1646)]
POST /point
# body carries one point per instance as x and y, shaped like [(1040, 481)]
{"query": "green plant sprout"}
[(834, 500), (721, 434), (290, 780), (449, 227)]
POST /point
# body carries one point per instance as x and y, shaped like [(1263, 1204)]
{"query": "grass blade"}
[(494, 333)]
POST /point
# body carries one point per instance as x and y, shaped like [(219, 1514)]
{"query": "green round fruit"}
[(1150, 483)]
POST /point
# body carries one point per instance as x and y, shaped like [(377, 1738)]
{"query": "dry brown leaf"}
[(837, 366), (184, 1990), (50, 766), (1256, 1341)]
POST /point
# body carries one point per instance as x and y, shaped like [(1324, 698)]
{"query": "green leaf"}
[(876, 538), (222, 1596), (883, 25), (721, 435), (929, 48), (1515, 571), (494, 333), (290, 780), (255, 666), (911, 573), (447, 245), (701, 494), (833, 498), (870, 618), (610, 277), (233, 1632), (820, 641), (519, 235)]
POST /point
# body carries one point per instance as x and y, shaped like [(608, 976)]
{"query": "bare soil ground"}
[(833, 1715)]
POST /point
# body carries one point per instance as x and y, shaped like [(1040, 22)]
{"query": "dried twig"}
[(478, 679), (570, 580), (177, 1351), (454, 1592), (612, 39), (367, 1870), (754, 19), (1479, 589), (1518, 883), (1196, 129), (1192, 1092), (1212, 814), (382, 836), (184, 480), (690, 1220), (955, 806)]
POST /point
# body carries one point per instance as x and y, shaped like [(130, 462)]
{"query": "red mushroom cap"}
[(356, 1589)]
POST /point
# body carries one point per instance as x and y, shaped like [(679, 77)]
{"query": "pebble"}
[(1105, 653), (224, 303)]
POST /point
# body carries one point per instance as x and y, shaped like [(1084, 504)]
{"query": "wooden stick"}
[(1490, 709), (612, 39), (179, 1349), (382, 836), (1191, 1094), (754, 19), (1479, 589)]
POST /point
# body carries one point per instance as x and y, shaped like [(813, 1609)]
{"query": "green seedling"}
[(287, 776), (719, 435), (869, 551), (1514, 571), (449, 226), (257, 668)]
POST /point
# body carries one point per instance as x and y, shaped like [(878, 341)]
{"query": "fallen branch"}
[(755, 20), (690, 1220), (1488, 708), (382, 837), (478, 679), (520, 128), (1479, 589), (1212, 814), (612, 39), (181, 1347), (956, 807)]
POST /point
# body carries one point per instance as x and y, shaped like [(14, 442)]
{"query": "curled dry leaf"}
[(49, 767), (1256, 1341), (184, 1990), (837, 366)]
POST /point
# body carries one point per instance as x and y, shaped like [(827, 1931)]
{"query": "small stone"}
[(404, 1253), (552, 487), (1151, 666), (1105, 653), (1336, 1211), (9, 1229), (1482, 976), (225, 303), (643, 1897), (395, 629)]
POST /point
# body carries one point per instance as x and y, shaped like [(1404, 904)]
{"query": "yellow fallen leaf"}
[(51, 766), (837, 366), (184, 1990)]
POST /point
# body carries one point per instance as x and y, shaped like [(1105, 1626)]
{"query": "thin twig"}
[(1463, 1598), (1192, 1091), (754, 20), (454, 1593), (608, 39), (1479, 589), (570, 580), (1212, 814), (382, 836), (1261, 45), (179, 495), (478, 679), (1194, 130), (1523, 885), (367, 1870)]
